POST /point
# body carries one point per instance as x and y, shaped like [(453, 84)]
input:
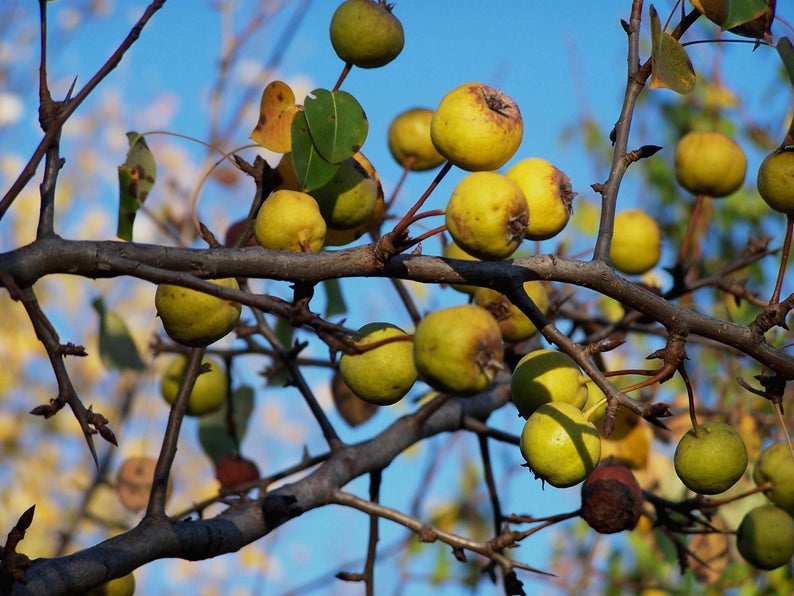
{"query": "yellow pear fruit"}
[(365, 33), (775, 181), (715, 10), (710, 459), (290, 220), (548, 193), (636, 242), (348, 199), (352, 409), (120, 586), (515, 325), (134, 482), (384, 374), (765, 537), (193, 318), (458, 349), (545, 376), (560, 445), (209, 391), (409, 140), (477, 128), (776, 465), (453, 251), (709, 163), (486, 215)]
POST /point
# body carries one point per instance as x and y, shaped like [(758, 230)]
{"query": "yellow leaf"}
[(276, 110)]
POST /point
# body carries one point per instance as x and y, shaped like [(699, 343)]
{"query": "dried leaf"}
[(276, 110)]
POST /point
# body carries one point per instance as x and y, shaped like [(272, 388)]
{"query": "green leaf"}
[(337, 123), (311, 168), (116, 346), (334, 300), (220, 434), (746, 12), (670, 65), (786, 52), (136, 178)]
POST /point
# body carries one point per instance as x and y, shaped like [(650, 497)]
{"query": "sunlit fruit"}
[(352, 409), (709, 163), (458, 349), (560, 445), (636, 242), (548, 193), (193, 318), (477, 128), (765, 537), (515, 325), (775, 181), (453, 251), (209, 390), (366, 33), (384, 374), (710, 459), (290, 220), (544, 376), (486, 215), (776, 465), (120, 586), (348, 199), (134, 482), (409, 140), (611, 499)]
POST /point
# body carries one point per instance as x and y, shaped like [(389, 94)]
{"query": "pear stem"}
[(407, 219), (783, 259), (690, 231), (342, 76), (590, 412)]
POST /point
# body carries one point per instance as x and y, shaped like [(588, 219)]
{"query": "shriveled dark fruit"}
[(231, 470), (352, 409), (611, 499)]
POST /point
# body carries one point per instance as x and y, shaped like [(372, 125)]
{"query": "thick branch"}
[(158, 538), (95, 259)]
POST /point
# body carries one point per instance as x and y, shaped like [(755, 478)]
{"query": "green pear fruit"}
[(765, 537), (709, 163), (776, 465), (348, 199), (711, 458), (515, 325), (775, 181), (193, 318), (290, 220), (365, 33), (486, 215), (545, 376), (121, 586), (384, 374), (410, 143), (458, 349), (636, 242), (560, 445), (209, 390)]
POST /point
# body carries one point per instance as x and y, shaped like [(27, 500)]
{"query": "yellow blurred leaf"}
[(276, 111)]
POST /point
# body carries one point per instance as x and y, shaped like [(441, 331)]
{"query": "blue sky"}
[(557, 60)]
